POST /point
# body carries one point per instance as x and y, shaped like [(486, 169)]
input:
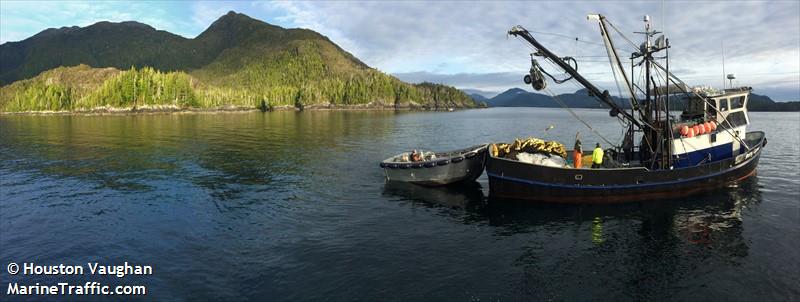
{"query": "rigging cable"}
[(622, 35), (555, 97), (566, 59), (577, 39)]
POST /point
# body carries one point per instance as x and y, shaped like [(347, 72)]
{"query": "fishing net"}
[(530, 145)]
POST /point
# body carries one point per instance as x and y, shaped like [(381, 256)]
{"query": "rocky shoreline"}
[(169, 109)]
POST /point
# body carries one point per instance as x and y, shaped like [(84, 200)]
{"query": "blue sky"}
[(464, 43)]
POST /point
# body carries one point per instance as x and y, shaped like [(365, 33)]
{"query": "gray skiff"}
[(448, 167)]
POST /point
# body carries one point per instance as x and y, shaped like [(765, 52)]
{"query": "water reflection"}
[(713, 220), (638, 250), (459, 196)]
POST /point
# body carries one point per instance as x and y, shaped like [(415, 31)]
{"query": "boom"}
[(603, 96)]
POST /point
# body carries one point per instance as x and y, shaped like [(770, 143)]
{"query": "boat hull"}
[(509, 179), (440, 172)]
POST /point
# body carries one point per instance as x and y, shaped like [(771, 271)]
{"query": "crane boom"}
[(603, 96)]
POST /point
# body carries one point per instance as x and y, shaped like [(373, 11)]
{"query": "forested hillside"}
[(237, 61)]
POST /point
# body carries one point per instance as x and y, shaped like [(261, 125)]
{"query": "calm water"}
[(289, 206)]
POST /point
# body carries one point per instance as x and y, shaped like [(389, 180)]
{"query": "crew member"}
[(416, 156), (577, 152), (597, 156), (627, 146)]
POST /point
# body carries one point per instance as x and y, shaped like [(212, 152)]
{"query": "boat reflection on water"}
[(703, 220), (458, 196), (635, 250), (719, 224), (713, 220)]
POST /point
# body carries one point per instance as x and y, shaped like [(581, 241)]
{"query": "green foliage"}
[(309, 72), (39, 96), (133, 88), (142, 87)]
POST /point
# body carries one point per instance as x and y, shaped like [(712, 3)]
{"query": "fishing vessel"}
[(704, 147)]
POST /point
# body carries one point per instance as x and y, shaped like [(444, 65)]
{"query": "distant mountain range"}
[(516, 97), (237, 61), (479, 98)]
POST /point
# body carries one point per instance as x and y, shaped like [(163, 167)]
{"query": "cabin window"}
[(737, 119), (737, 102), (723, 105)]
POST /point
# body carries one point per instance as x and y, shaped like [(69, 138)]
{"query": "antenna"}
[(663, 27), (723, 63)]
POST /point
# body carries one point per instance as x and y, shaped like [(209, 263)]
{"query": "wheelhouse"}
[(725, 113)]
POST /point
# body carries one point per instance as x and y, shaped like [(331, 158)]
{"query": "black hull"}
[(509, 179)]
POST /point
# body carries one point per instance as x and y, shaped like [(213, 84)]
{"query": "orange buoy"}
[(708, 127), (684, 130), (713, 126), (698, 130), (691, 132)]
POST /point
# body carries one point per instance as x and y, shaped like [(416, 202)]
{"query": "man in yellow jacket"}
[(597, 156)]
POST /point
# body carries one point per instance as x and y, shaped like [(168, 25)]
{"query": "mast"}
[(669, 121), (612, 55), (603, 96), (659, 148)]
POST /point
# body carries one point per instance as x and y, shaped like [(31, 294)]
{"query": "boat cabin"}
[(711, 128)]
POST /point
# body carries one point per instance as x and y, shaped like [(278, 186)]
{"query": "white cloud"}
[(448, 40)]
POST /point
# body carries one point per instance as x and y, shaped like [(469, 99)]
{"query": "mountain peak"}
[(234, 15), (234, 18), (233, 26), (514, 91)]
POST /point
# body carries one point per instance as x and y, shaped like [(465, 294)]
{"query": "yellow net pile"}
[(530, 145)]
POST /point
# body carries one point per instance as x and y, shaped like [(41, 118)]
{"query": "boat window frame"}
[(737, 102), (722, 105)]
